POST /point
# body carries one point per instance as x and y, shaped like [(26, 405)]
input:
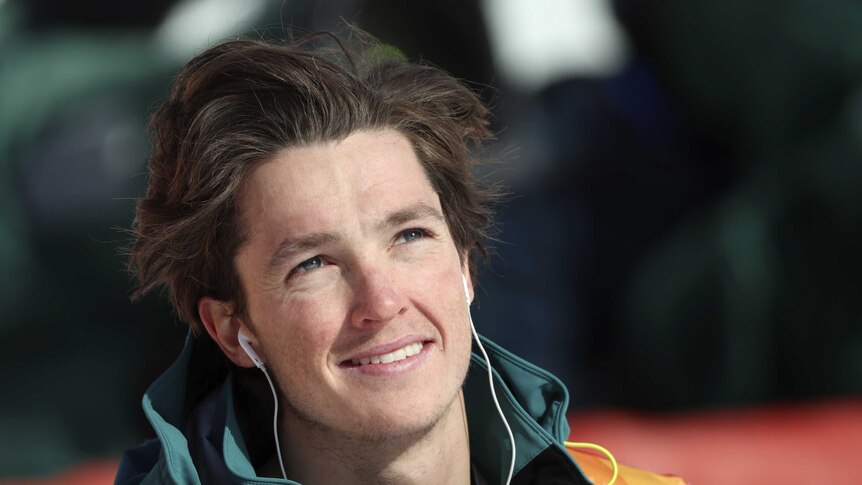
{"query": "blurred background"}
[(682, 244)]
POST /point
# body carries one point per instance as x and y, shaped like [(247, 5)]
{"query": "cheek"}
[(441, 298), (304, 331), (435, 264)]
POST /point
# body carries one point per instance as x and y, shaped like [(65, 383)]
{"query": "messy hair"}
[(238, 104)]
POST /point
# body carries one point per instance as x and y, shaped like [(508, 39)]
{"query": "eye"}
[(411, 235), (308, 265)]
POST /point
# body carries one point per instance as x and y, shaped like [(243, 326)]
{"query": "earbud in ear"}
[(466, 290), (246, 346)]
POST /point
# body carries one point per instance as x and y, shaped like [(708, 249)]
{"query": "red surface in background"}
[(96, 472), (789, 444)]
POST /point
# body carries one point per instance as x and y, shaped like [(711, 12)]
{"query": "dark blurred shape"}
[(75, 355), (96, 14), (753, 295), (693, 241), (451, 34)]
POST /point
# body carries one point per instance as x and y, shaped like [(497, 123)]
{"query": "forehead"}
[(332, 183)]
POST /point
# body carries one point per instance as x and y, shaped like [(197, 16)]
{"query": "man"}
[(311, 211)]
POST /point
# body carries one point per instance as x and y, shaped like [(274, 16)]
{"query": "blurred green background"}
[(684, 232)]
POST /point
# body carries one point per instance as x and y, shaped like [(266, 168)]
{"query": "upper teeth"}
[(394, 356)]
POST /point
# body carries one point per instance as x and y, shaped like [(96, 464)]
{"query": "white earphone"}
[(246, 346)]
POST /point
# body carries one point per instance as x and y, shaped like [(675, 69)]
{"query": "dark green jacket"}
[(200, 442)]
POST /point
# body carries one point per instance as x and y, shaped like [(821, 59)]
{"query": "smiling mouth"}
[(408, 350)]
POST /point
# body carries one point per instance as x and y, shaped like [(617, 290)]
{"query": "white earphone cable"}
[(275, 422), (491, 386)]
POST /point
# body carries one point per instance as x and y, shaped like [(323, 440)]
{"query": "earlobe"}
[(221, 324)]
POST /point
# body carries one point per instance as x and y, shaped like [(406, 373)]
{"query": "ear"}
[(219, 320), (465, 271)]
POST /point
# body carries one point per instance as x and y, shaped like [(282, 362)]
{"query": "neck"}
[(439, 455)]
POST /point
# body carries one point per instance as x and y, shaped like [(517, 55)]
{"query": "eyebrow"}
[(415, 212), (291, 246)]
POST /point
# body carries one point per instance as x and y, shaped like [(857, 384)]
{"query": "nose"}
[(377, 299)]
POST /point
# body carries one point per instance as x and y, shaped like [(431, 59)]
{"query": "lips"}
[(394, 356), (387, 354)]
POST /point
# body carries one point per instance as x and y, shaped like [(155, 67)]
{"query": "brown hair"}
[(239, 103)]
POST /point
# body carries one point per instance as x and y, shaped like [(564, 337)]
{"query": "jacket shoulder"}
[(600, 470)]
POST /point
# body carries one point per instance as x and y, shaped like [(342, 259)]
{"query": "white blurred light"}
[(193, 25), (536, 42)]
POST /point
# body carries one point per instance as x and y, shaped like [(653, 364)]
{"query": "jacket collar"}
[(533, 401)]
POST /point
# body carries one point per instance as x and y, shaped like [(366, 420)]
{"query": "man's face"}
[(348, 263)]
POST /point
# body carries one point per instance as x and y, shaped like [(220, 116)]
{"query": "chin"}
[(389, 427), (407, 417), (366, 422)]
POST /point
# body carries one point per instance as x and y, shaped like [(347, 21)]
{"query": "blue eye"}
[(311, 264), (412, 235)]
